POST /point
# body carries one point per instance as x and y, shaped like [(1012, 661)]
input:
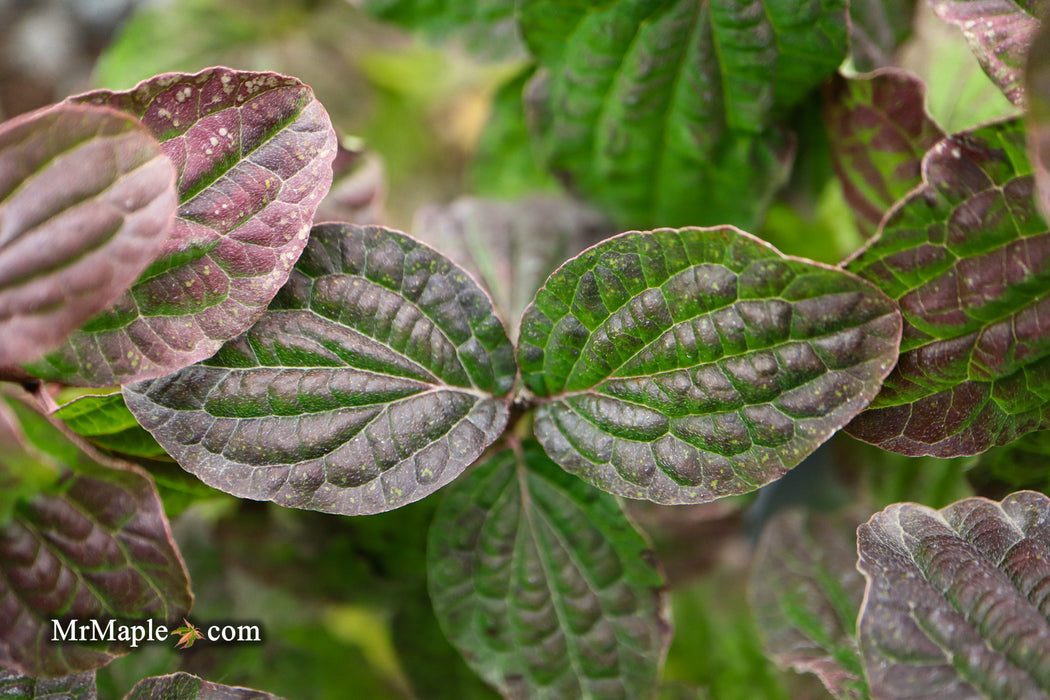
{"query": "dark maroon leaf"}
[(967, 257), (1037, 80), (372, 381), (956, 604), (879, 131), (999, 32), (86, 199), (184, 686), (17, 687), (253, 154)]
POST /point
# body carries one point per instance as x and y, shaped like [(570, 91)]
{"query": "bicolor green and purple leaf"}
[(967, 258), (372, 381), (186, 686), (543, 584), (879, 132), (87, 198), (253, 154), (877, 30), (511, 247), (664, 113), (806, 594), (93, 544), (956, 604), (1000, 33), (77, 687), (1037, 82), (108, 424), (684, 365)]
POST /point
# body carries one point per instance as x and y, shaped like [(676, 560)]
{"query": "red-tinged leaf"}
[(879, 132), (86, 199), (253, 154), (967, 257), (956, 605), (1000, 33), (184, 686), (1037, 80)]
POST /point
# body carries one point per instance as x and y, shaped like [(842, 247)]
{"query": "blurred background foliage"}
[(343, 600)]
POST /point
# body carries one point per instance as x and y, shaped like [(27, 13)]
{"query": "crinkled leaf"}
[(185, 686), (87, 198), (106, 421), (94, 545), (1000, 33), (556, 597), (486, 26), (956, 604), (368, 383), (510, 247), (877, 28), (253, 154), (663, 112), (967, 257), (806, 593), (879, 132), (77, 687), (1037, 80), (685, 365)]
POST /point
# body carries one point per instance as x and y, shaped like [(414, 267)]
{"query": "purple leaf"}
[(184, 686), (956, 603), (253, 154), (967, 257), (1000, 33), (879, 132), (1037, 81), (86, 199), (17, 687)]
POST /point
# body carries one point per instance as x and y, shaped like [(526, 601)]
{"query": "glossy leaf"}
[(185, 686), (877, 29), (253, 154), (1037, 81), (663, 113), (879, 132), (685, 365), (999, 32), (558, 596), (93, 545), (806, 593), (78, 687), (367, 385), (106, 421), (86, 200), (967, 257), (956, 605), (510, 248)]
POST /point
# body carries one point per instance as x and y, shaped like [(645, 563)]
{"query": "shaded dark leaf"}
[(77, 687), (967, 257), (368, 384), (558, 596), (253, 154), (184, 686), (956, 605), (87, 198), (879, 132), (1000, 33), (877, 28), (685, 365), (806, 594)]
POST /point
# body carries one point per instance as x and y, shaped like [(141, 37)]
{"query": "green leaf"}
[(879, 132), (77, 687), (93, 545), (87, 197), (955, 604), (368, 384), (967, 257), (106, 421), (1022, 464), (806, 593), (185, 686), (685, 365), (510, 247), (664, 113), (253, 154), (1000, 33), (1037, 83), (486, 26), (877, 29), (558, 595)]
